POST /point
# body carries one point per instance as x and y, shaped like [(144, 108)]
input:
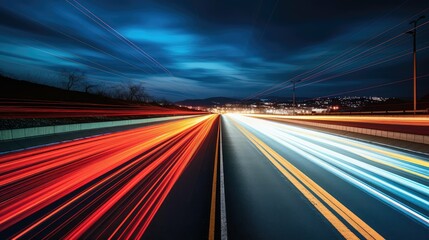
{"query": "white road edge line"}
[(223, 225)]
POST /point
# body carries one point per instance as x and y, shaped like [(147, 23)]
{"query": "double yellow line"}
[(214, 187), (310, 190)]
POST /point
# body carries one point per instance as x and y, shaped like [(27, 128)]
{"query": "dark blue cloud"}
[(194, 49)]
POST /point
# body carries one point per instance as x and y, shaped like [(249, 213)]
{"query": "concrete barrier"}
[(11, 134), (387, 134)]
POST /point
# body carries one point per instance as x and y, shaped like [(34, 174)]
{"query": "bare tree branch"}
[(73, 78), (134, 91), (87, 87)]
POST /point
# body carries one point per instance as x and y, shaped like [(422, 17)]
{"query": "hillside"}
[(19, 89)]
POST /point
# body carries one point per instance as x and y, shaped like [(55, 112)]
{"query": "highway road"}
[(153, 181), (197, 178), (287, 182)]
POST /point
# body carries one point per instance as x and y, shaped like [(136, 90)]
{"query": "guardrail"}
[(11, 134), (373, 132)]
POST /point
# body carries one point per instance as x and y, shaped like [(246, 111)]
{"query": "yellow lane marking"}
[(295, 177), (395, 155), (214, 186), (393, 166)]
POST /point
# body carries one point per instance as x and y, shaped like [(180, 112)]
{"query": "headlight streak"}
[(324, 153), (351, 169), (391, 158), (311, 189), (337, 161), (114, 183)]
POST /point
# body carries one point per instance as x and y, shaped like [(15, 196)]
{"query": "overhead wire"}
[(118, 35), (287, 84)]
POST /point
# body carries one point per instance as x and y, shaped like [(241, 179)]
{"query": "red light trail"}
[(11, 109), (113, 183)]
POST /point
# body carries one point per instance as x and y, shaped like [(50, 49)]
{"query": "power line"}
[(276, 87), (118, 35), (370, 87), (351, 71)]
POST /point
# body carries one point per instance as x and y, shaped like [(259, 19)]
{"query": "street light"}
[(414, 33), (293, 95)]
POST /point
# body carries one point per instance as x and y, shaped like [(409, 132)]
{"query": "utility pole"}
[(293, 95), (414, 33)]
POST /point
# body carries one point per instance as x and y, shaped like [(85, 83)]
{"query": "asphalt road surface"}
[(199, 178), (286, 182)]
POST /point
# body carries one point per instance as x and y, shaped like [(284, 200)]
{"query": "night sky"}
[(183, 49)]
